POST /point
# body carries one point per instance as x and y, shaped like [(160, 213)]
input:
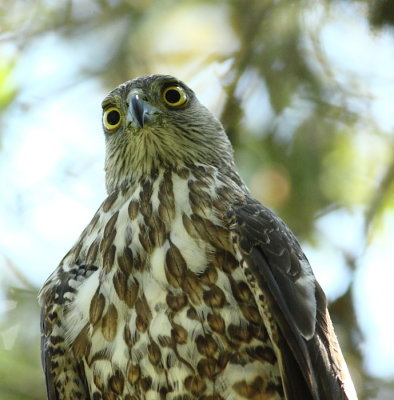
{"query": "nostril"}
[(138, 96)]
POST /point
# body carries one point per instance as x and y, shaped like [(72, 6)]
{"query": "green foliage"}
[(7, 90), (21, 376), (381, 13)]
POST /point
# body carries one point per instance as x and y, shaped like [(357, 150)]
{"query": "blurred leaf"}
[(8, 88), (381, 13), (21, 375)]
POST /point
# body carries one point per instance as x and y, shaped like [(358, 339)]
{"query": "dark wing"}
[(64, 374), (311, 362)]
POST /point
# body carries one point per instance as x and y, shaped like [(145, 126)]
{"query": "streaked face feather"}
[(174, 136)]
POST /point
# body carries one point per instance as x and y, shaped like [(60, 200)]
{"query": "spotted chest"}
[(168, 313)]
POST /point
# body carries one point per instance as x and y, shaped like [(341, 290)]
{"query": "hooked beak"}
[(140, 112)]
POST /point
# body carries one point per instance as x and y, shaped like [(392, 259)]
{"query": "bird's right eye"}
[(111, 118)]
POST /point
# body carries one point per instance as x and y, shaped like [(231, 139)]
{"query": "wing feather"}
[(310, 359), (64, 374)]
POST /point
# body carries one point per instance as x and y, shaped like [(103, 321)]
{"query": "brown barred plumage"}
[(182, 286)]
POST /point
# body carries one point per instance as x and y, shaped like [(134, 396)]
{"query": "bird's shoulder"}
[(288, 293)]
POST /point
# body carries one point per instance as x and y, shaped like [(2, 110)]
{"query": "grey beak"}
[(140, 112)]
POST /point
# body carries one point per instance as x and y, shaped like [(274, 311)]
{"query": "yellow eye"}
[(111, 118), (174, 96)]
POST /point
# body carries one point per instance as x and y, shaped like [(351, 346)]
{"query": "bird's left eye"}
[(111, 118), (174, 96)]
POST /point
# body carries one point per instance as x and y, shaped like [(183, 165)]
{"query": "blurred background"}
[(305, 90)]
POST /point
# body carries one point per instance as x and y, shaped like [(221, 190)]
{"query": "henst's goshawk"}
[(183, 286)]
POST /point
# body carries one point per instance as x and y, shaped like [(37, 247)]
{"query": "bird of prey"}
[(183, 286)]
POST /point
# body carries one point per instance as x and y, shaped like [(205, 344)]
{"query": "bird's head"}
[(155, 122)]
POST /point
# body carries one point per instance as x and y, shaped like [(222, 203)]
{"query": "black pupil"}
[(173, 96), (113, 117)]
